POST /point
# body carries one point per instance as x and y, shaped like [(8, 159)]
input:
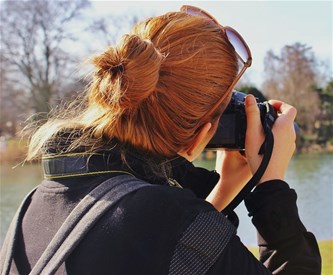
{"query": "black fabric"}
[(12, 236), (135, 238), (201, 244), (202, 181), (140, 234), (237, 260), (110, 161), (83, 217), (276, 221)]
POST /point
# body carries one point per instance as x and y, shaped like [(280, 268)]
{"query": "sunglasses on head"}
[(237, 42)]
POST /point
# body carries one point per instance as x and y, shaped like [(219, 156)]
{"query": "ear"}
[(200, 140)]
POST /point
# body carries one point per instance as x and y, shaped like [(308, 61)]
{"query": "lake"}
[(311, 175)]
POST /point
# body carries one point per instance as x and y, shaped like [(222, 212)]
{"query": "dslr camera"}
[(230, 133)]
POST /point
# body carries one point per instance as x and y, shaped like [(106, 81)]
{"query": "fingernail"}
[(250, 100)]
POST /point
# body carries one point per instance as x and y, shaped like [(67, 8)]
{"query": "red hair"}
[(152, 89)]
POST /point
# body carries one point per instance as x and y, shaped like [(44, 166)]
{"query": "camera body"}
[(230, 133)]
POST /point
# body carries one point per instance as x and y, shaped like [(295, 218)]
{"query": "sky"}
[(265, 25)]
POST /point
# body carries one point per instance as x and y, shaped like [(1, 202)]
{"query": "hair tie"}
[(117, 69)]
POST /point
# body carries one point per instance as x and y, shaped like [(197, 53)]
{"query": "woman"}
[(152, 107)]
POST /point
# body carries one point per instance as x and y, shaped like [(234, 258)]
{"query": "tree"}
[(34, 37), (9, 110), (109, 30), (253, 91), (325, 122), (291, 77)]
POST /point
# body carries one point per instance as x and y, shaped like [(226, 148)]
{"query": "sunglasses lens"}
[(200, 13), (238, 44), (193, 12)]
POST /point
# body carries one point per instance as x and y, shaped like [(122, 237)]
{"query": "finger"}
[(252, 114), (284, 109)]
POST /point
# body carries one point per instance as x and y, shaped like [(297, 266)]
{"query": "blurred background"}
[(45, 46)]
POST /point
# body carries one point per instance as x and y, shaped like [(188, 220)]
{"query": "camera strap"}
[(266, 150)]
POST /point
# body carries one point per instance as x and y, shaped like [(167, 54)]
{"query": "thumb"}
[(252, 116), (254, 132)]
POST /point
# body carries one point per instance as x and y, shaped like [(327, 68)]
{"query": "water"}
[(15, 183), (310, 175)]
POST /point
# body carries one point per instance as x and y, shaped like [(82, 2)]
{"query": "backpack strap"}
[(83, 217), (7, 251)]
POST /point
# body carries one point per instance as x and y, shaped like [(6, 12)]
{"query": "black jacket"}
[(163, 229)]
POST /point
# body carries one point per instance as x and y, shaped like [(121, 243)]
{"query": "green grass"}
[(326, 251)]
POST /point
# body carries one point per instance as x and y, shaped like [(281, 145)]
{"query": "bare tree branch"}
[(292, 77), (32, 38)]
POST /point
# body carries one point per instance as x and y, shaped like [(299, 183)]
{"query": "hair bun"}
[(128, 74), (117, 69), (143, 62)]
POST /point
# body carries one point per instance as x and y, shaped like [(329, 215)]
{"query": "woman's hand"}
[(234, 174), (236, 170), (284, 138)]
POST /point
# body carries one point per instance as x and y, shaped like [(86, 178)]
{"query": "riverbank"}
[(326, 251), (12, 150)]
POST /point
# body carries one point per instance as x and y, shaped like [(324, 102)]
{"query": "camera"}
[(230, 133)]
